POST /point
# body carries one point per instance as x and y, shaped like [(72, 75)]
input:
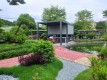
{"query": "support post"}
[(60, 33), (47, 31), (67, 33), (37, 30)]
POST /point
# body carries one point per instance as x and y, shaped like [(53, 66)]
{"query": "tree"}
[(5, 22), (15, 2), (83, 20), (105, 13), (27, 20), (54, 13), (101, 25)]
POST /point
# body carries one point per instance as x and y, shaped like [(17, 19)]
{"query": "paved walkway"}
[(70, 70), (60, 52)]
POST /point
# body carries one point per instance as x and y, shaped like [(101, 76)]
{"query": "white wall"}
[(56, 29), (70, 29)]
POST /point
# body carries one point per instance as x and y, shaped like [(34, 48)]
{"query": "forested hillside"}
[(5, 23)]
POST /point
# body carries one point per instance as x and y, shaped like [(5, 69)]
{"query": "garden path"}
[(60, 52)]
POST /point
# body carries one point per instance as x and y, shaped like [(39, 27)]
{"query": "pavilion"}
[(59, 28)]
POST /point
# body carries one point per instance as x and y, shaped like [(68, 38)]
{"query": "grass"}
[(48, 72), (85, 75)]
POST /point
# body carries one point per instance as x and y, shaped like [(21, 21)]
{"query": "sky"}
[(35, 8)]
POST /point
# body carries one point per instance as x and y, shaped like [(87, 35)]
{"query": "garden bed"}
[(34, 72)]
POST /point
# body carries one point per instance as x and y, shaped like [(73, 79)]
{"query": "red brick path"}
[(59, 52), (69, 54)]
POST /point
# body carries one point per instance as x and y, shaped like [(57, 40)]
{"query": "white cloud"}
[(35, 8)]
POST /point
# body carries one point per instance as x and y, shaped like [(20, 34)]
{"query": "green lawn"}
[(48, 72), (85, 75)]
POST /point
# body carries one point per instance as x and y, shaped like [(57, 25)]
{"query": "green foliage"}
[(13, 50), (5, 23), (43, 36), (98, 71), (45, 48), (42, 27), (103, 53), (84, 15), (12, 38), (102, 74), (84, 20), (1, 30), (105, 13), (105, 36), (14, 29), (15, 2), (36, 77), (54, 13), (14, 53), (87, 75), (27, 20), (27, 31), (91, 35), (101, 25), (34, 71), (87, 48)]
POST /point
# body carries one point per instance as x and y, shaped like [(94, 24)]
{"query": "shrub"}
[(26, 29), (45, 48), (12, 38), (103, 53), (102, 74), (14, 29), (36, 58), (14, 53), (90, 35), (105, 36), (1, 30), (43, 36), (9, 47), (99, 69), (20, 39)]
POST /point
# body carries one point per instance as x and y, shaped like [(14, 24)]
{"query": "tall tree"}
[(83, 20), (54, 13), (101, 25), (105, 13), (27, 20), (15, 2)]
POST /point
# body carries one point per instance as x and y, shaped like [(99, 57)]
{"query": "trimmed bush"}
[(103, 53), (43, 36), (36, 58), (45, 48), (14, 29), (99, 69), (14, 53), (91, 35), (12, 38), (13, 50), (105, 36), (102, 74)]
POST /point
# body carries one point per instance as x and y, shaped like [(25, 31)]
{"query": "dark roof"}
[(54, 23)]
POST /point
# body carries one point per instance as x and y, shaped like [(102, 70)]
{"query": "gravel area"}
[(70, 70), (7, 77)]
